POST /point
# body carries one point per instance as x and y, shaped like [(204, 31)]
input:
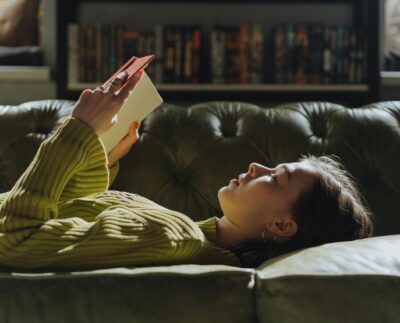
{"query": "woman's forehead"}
[(302, 172)]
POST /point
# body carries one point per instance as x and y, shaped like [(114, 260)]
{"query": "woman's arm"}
[(74, 190), (74, 149)]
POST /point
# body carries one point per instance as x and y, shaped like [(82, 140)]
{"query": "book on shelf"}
[(302, 53), (257, 54), (244, 58), (319, 54), (218, 54), (169, 50), (237, 54)]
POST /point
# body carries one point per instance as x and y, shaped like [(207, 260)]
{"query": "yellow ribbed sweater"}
[(60, 214)]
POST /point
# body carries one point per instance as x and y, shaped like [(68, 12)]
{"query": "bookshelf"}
[(356, 13)]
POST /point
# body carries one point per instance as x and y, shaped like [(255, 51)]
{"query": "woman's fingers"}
[(99, 107), (130, 85), (134, 129), (116, 83)]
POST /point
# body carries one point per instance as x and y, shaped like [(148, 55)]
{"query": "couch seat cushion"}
[(179, 293), (336, 281)]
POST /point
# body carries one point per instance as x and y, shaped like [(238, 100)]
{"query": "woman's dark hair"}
[(332, 210)]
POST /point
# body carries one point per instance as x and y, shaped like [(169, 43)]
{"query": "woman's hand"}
[(123, 147), (98, 108)]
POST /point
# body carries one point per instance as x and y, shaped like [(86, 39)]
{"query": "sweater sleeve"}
[(114, 170), (70, 163), (78, 184)]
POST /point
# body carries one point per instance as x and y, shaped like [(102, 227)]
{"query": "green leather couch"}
[(185, 154)]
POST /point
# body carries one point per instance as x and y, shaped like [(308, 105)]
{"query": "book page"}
[(143, 100)]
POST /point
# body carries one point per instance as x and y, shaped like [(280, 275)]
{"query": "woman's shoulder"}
[(181, 225)]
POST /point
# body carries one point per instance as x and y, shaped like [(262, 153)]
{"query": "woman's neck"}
[(228, 234)]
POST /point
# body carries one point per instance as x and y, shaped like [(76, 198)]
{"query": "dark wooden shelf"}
[(364, 15), (244, 87)]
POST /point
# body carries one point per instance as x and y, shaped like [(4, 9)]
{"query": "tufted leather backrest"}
[(185, 154)]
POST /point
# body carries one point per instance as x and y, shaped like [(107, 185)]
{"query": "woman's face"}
[(264, 196)]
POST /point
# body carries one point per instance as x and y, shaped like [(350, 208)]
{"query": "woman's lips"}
[(234, 181)]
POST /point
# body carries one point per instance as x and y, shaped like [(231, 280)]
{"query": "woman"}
[(60, 213)]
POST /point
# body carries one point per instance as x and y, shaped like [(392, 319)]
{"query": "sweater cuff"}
[(72, 129)]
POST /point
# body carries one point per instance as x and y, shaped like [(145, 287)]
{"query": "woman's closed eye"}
[(274, 178)]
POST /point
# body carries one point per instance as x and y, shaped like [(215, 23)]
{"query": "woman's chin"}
[(228, 187)]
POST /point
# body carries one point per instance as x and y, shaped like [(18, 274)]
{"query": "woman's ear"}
[(283, 228)]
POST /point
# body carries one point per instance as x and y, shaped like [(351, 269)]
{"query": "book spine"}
[(99, 53), (130, 44), (196, 61), (280, 54), (105, 49), (340, 74), (218, 58), (159, 52), (90, 60), (149, 48), (244, 52), (73, 53), (333, 53), (316, 45), (120, 45), (257, 54), (327, 56), (169, 54), (352, 57), (361, 57), (301, 74), (177, 78), (346, 51), (113, 49), (366, 55), (290, 50), (140, 45), (232, 56), (188, 54)]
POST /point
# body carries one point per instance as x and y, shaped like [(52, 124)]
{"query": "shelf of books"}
[(305, 57), (285, 60)]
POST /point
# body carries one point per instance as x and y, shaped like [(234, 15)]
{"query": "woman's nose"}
[(256, 169)]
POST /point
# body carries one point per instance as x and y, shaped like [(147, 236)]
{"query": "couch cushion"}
[(181, 293), (336, 281)]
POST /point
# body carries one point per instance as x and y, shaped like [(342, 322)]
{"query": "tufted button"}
[(45, 119), (228, 128), (319, 129), (43, 130), (181, 178)]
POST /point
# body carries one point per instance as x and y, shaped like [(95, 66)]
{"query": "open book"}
[(142, 101)]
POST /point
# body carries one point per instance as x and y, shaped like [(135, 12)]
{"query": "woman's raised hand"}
[(125, 145), (98, 108)]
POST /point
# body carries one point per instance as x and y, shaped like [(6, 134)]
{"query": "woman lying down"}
[(60, 213)]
